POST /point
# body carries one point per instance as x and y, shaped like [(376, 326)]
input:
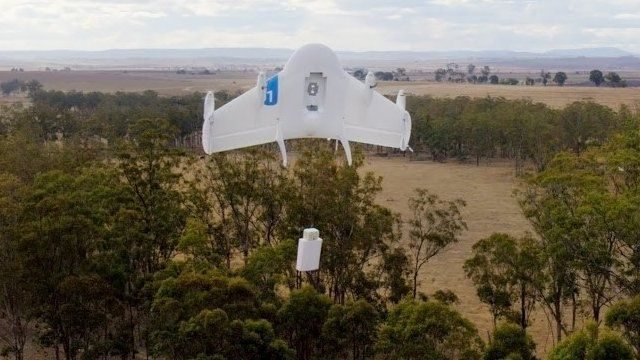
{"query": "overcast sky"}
[(528, 25)]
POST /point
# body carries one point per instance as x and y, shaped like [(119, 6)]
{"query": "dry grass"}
[(491, 207), (169, 83), (165, 83), (554, 96)]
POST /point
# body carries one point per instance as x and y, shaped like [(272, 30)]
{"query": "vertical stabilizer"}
[(207, 126)]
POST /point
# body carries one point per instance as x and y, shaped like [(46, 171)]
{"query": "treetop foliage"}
[(118, 240), (428, 330)]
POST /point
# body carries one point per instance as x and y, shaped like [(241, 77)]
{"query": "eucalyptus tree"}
[(434, 225), (427, 330), (357, 232), (506, 270)]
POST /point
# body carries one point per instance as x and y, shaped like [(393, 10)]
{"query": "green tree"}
[(10, 86), (396, 268), (15, 299), (427, 330), (32, 87), (510, 341), (384, 75), (591, 344), (360, 74), (301, 319), (148, 166), (545, 76), (401, 74), (570, 207), (625, 316), (471, 76), (484, 74), (434, 225), (203, 312), (350, 331), (596, 77), (471, 69), (544, 210), (585, 123), (62, 236), (270, 266), (440, 74), (256, 340), (480, 134), (620, 164), (146, 230), (211, 335), (615, 80), (355, 229), (241, 201), (504, 269), (560, 78)]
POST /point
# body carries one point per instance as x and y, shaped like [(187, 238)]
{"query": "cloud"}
[(529, 25)]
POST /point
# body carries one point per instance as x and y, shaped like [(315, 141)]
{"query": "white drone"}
[(313, 97)]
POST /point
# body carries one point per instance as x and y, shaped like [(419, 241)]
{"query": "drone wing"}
[(248, 120), (374, 119)]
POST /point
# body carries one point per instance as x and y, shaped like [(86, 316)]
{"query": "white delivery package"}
[(309, 248)]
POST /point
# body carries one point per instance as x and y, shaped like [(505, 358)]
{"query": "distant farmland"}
[(170, 83), (554, 96)]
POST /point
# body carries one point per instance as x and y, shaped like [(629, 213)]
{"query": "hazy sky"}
[(530, 25)]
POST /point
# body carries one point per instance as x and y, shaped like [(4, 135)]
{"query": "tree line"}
[(454, 73), (117, 242), (584, 208), (460, 128), (520, 130)]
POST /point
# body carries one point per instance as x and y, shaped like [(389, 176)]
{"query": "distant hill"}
[(242, 58), (573, 63), (487, 54), (120, 54), (606, 52), (268, 53)]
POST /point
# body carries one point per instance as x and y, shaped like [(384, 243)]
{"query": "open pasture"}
[(554, 96), (491, 207), (164, 82), (170, 83)]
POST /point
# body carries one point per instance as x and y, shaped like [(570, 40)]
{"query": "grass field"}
[(491, 207), (169, 83), (165, 83), (554, 96)]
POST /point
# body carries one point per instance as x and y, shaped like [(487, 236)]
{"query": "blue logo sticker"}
[(271, 95)]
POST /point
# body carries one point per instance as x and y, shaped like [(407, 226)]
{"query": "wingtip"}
[(208, 112), (209, 105), (347, 151), (401, 100)]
